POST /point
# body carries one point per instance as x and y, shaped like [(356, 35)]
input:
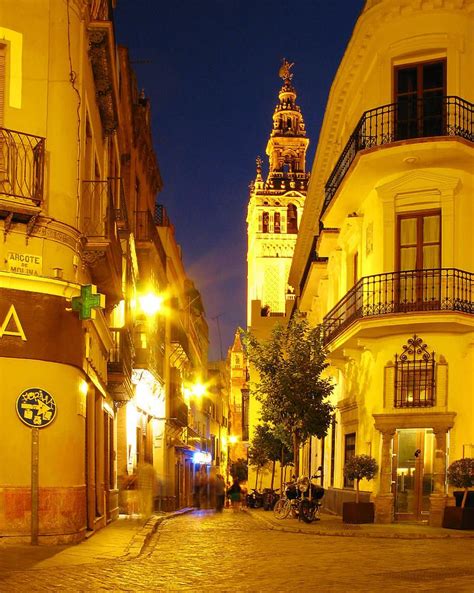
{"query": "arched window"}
[(292, 219), (414, 375), (265, 221), (276, 222)]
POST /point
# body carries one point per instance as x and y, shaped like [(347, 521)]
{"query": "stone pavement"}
[(245, 552), (332, 525), (127, 537)]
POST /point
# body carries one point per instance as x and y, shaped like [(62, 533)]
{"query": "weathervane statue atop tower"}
[(284, 71)]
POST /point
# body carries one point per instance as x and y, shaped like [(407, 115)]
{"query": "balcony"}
[(149, 351), (102, 58), (120, 206), (102, 251), (429, 117), (179, 410), (21, 174), (410, 291), (161, 216), (120, 364), (147, 233)]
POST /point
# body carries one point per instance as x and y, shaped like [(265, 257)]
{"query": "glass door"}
[(413, 473), (419, 261), (419, 95)]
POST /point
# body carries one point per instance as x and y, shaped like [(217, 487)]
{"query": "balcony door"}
[(419, 92), (419, 261)]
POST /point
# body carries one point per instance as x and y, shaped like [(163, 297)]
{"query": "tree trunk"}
[(256, 478), (273, 474), (296, 454), (357, 490), (464, 498)]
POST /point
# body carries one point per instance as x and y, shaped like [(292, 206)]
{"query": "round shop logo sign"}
[(36, 407)]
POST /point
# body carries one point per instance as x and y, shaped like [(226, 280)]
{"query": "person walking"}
[(220, 492), (235, 494)]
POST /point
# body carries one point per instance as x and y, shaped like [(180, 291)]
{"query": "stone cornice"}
[(415, 418)]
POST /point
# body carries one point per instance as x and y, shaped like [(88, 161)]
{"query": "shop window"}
[(414, 375)]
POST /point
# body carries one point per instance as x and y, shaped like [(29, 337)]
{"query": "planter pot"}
[(458, 518), (358, 512)]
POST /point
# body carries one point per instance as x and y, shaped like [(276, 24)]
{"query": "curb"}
[(354, 532), (141, 539)]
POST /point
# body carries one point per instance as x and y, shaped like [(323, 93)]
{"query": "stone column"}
[(384, 498), (438, 498)]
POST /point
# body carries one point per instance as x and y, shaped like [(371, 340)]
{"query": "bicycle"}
[(301, 499), (288, 503)]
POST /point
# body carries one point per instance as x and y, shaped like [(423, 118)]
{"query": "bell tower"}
[(276, 204)]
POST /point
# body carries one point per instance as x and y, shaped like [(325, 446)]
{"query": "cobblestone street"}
[(243, 552)]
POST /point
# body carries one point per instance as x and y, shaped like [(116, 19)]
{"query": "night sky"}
[(210, 69)]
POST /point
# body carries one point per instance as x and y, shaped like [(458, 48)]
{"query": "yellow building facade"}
[(385, 256), (93, 406)]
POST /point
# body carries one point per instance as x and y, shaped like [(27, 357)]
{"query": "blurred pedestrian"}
[(145, 489), (220, 492), (197, 490), (235, 494)]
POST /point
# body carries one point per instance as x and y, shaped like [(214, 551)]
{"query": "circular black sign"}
[(36, 407)]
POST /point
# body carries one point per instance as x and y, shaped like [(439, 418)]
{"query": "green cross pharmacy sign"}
[(87, 302)]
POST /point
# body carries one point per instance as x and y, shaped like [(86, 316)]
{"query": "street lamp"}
[(151, 303)]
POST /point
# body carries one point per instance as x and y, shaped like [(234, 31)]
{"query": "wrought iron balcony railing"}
[(444, 289), (120, 203), (21, 165), (407, 119), (161, 216), (146, 231), (96, 203), (122, 352)]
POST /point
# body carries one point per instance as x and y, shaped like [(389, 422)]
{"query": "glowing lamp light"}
[(83, 387), (233, 439), (202, 457), (198, 389), (150, 303)]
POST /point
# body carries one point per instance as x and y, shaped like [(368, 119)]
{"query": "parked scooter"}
[(270, 497), (254, 499)]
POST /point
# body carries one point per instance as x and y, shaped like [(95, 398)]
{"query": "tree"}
[(359, 467), (239, 470), (291, 389), (461, 475), (257, 457), (267, 446)]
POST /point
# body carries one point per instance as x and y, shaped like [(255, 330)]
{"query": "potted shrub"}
[(357, 468), (460, 475)]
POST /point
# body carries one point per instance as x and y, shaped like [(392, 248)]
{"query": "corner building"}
[(385, 254)]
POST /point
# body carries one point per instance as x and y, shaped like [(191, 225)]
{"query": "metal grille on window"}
[(415, 375)]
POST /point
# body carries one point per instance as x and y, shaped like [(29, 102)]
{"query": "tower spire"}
[(276, 203)]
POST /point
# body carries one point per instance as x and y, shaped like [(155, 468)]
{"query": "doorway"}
[(412, 477), (418, 261)]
